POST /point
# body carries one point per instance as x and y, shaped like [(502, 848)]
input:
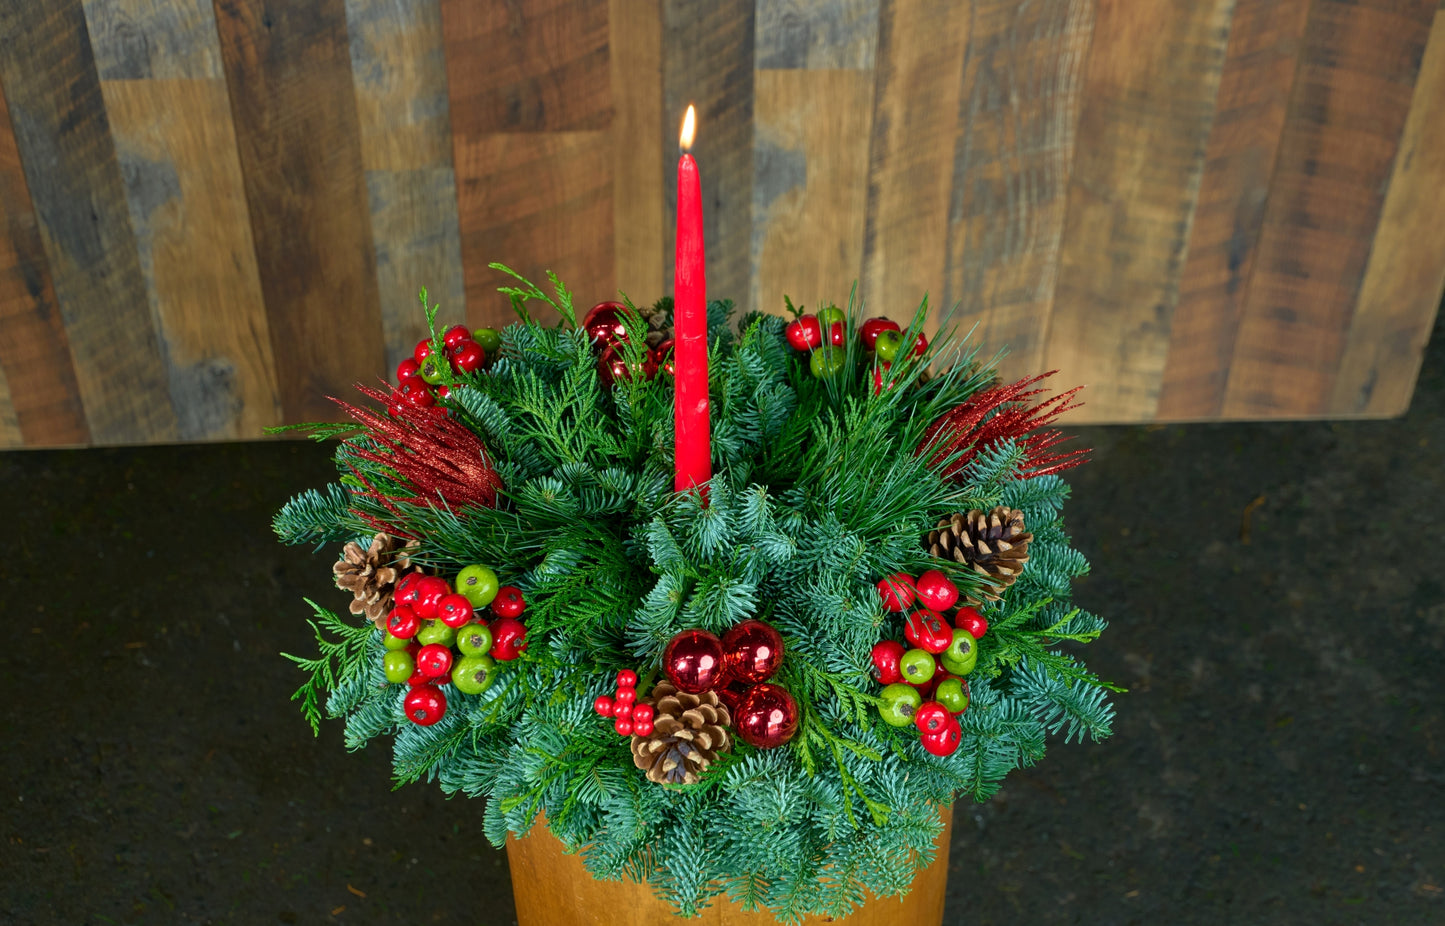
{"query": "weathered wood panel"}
[(399, 67), (289, 73), (1239, 160), (58, 115), (639, 241), (922, 45), (42, 394), (1149, 92), (1017, 118), (707, 60), (177, 151), (144, 39), (1400, 295), (1351, 95), (811, 148)]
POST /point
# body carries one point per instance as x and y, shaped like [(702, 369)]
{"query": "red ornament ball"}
[(768, 717), (425, 705), (753, 651), (603, 323), (623, 725), (662, 356), (694, 661), (612, 366), (626, 678), (603, 705)]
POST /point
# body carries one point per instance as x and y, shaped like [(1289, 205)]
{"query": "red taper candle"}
[(693, 450)]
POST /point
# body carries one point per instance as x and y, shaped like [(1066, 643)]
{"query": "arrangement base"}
[(553, 888)]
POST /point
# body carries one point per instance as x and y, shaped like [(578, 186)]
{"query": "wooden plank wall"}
[(217, 212)]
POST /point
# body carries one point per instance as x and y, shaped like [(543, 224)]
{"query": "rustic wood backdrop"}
[(216, 213)]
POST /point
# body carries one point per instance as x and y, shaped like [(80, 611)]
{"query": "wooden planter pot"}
[(553, 888)]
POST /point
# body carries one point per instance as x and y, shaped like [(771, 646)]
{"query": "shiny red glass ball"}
[(612, 366), (753, 651), (768, 717), (604, 323), (694, 661)]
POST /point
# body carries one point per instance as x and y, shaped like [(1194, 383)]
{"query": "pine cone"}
[(371, 574), (688, 732), (994, 544), (659, 327)]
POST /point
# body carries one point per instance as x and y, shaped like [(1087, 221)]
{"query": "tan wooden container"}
[(553, 888)]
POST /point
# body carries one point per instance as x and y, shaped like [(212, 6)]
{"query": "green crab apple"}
[(474, 639), (398, 666), (917, 666), (952, 693), (899, 702), (962, 653), (394, 642), (436, 632), (478, 584), (474, 674)]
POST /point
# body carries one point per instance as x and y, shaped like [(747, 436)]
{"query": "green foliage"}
[(820, 488)]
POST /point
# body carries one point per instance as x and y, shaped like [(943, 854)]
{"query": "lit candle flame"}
[(689, 128)]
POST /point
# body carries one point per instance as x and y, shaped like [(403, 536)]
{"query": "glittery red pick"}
[(432, 454), (1001, 413)]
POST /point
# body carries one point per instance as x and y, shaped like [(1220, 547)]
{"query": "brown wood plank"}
[(63, 136), (142, 39), (10, 435), (406, 147), (1347, 111), (289, 73), (810, 192), (817, 34), (527, 66), (42, 393), (707, 60), (1403, 279), (177, 151), (922, 45), (535, 202), (1149, 90), (1254, 91), (1017, 117), (639, 251)]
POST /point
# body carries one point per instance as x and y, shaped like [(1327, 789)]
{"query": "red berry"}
[(603, 705), (805, 333), (872, 328), (642, 727), (626, 696), (920, 345), (414, 391), (936, 591), (627, 679), (407, 369), (403, 623), (931, 717), (897, 592), (886, 654), (468, 357), (456, 335), (944, 741), (509, 602), (927, 630), (837, 334), (879, 369), (405, 592), (430, 590), (444, 391), (642, 712), (434, 659), (969, 619), (623, 725), (425, 705), (454, 610), (509, 638), (422, 350), (418, 677), (621, 709)]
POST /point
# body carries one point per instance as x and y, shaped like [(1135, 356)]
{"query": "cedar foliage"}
[(820, 488)]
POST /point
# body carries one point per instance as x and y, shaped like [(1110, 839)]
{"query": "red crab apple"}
[(897, 592), (509, 638), (936, 591), (509, 602), (969, 619), (804, 333), (931, 717), (430, 590), (927, 630), (425, 705), (943, 742), (886, 654), (872, 328)]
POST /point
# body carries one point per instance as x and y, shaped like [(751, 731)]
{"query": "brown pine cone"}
[(371, 575), (659, 328), (995, 544), (688, 732)]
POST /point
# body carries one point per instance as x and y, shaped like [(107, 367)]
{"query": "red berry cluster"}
[(926, 684), (629, 717), (606, 326), (827, 330), (420, 377), (436, 634)]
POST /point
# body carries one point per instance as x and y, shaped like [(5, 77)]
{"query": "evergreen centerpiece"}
[(863, 616)]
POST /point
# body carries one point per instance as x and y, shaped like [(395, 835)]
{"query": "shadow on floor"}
[(1277, 760)]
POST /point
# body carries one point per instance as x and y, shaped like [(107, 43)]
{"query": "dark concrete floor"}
[(1277, 759)]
